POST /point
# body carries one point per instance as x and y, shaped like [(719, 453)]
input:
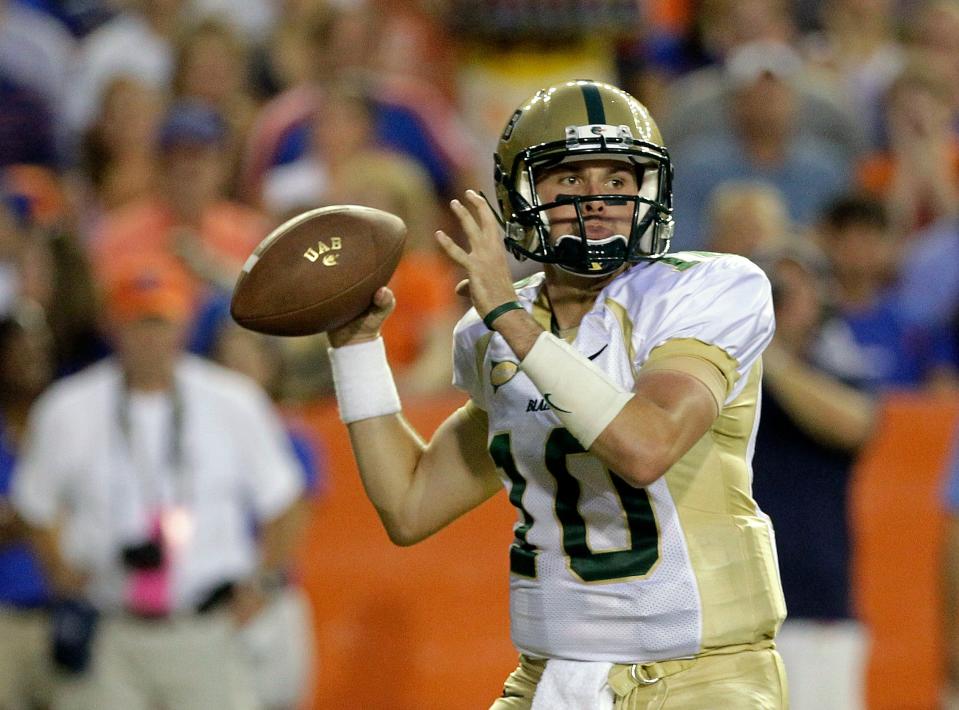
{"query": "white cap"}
[(749, 62)]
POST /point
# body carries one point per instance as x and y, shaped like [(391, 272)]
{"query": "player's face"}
[(589, 177)]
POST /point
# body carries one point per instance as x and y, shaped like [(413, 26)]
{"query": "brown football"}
[(318, 270)]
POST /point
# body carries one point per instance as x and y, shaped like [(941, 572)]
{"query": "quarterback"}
[(615, 397)]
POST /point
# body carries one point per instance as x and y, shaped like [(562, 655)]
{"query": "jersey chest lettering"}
[(537, 405)]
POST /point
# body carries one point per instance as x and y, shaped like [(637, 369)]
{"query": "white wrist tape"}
[(583, 397), (363, 381)]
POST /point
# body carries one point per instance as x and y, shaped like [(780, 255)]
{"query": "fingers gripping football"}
[(367, 325), (490, 281)]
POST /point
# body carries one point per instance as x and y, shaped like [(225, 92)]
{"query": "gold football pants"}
[(744, 677)]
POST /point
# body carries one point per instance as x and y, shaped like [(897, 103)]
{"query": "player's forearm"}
[(637, 462), (639, 434), (669, 413), (385, 447)]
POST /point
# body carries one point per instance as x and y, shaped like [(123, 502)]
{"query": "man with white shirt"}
[(139, 479)]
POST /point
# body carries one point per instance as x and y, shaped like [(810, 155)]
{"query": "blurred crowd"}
[(819, 138)]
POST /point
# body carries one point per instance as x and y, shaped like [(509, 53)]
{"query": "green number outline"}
[(522, 555), (635, 561)]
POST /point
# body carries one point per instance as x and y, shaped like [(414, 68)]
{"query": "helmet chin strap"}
[(607, 246)]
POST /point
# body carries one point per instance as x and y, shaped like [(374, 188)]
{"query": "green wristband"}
[(500, 310)]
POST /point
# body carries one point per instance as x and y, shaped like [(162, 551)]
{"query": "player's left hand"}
[(490, 281)]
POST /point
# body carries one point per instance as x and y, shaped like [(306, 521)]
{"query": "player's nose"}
[(594, 205)]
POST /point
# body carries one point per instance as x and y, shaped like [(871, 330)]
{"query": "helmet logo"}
[(574, 134)]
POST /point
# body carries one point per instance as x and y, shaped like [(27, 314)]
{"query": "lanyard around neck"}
[(174, 450)]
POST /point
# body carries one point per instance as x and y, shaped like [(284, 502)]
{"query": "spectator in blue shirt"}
[(893, 352), (763, 143), (930, 280)]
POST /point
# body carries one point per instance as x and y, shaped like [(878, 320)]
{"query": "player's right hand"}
[(365, 326)]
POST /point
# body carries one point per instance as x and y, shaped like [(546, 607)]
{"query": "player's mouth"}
[(598, 228)]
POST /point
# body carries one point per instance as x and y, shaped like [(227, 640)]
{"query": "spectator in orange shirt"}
[(187, 215)]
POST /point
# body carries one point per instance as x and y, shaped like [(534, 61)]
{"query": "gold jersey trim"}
[(678, 356), (626, 327), (717, 369), (729, 541)]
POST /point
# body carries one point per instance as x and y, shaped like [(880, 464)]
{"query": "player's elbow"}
[(641, 468), (640, 475), (402, 539), (639, 462), (402, 533)]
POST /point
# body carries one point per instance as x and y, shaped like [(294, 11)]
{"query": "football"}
[(318, 270)]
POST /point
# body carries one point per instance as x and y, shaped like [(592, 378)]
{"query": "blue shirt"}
[(22, 583), (895, 353), (803, 486), (394, 126), (930, 279), (311, 460)]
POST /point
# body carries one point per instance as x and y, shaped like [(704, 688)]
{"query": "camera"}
[(144, 556)]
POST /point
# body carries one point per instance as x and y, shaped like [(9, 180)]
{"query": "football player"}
[(615, 396)]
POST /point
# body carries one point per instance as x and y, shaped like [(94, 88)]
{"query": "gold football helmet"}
[(575, 121)]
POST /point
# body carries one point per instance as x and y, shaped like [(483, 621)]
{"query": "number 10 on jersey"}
[(615, 565)]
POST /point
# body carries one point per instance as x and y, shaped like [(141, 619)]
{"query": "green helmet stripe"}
[(595, 113)]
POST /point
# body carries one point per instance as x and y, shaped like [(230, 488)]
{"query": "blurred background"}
[(818, 137)]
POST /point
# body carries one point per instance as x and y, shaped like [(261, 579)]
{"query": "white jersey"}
[(604, 571)]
